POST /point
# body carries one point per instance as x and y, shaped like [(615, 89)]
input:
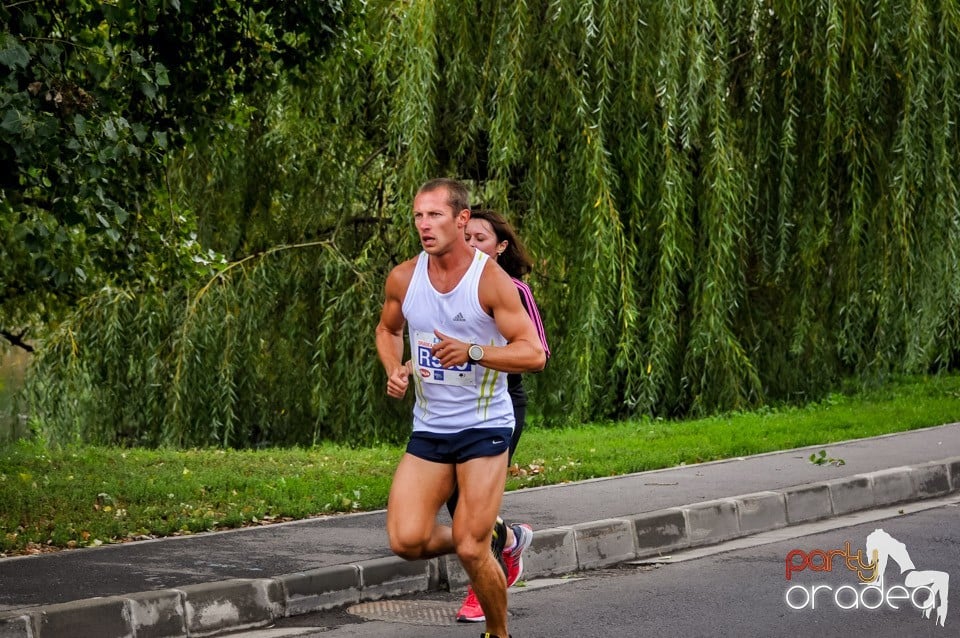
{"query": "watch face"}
[(475, 352)]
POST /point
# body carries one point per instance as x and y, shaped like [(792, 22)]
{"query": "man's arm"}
[(523, 352), (389, 332)]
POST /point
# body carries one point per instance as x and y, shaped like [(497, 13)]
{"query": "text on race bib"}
[(429, 368)]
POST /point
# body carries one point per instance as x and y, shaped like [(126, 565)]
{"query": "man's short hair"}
[(458, 197)]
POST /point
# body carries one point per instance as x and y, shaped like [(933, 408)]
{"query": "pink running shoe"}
[(470, 610), (514, 557)]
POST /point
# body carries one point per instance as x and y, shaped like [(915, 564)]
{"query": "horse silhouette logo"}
[(882, 548)]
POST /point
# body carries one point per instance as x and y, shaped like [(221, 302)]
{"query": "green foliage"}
[(823, 459), (270, 349), (729, 204), (267, 352), (93, 96)]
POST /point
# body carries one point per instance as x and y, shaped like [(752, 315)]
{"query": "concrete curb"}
[(232, 605)]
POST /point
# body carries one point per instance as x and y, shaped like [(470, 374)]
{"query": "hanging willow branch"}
[(729, 203)]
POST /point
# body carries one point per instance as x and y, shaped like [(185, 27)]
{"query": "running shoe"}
[(513, 558), (470, 610)]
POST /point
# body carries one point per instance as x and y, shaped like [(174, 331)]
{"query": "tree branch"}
[(367, 162), (17, 340)]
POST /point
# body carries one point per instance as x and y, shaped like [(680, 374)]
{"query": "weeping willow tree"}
[(729, 203)]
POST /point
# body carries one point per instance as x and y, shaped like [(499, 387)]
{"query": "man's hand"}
[(451, 352), (397, 382)]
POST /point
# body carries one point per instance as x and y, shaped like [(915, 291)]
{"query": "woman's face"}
[(480, 235)]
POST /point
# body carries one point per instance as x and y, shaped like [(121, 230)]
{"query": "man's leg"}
[(418, 491), (481, 482)]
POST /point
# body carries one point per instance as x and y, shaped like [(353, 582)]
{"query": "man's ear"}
[(463, 217)]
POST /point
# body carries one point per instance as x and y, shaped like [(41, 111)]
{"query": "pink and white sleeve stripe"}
[(526, 296)]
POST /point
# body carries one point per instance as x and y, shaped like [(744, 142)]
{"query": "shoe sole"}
[(474, 619)]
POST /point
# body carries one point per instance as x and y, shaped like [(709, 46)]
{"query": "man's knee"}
[(408, 551), (409, 546), (470, 552)]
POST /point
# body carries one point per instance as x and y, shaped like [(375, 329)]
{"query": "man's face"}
[(438, 225)]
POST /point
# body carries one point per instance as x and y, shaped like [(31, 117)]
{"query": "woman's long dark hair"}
[(514, 259)]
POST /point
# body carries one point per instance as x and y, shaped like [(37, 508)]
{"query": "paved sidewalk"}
[(211, 583)]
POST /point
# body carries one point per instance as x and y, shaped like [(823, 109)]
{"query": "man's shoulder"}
[(400, 277), (494, 274), (405, 268), (496, 287)]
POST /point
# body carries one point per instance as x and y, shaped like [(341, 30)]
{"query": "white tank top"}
[(449, 400)]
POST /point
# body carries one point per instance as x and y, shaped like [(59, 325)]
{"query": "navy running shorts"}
[(460, 446)]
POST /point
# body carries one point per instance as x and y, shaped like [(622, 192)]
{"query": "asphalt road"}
[(737, 589)]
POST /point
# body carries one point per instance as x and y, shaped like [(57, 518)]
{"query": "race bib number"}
[(430, 369)]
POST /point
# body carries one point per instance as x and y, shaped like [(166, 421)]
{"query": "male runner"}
[(467, 328)]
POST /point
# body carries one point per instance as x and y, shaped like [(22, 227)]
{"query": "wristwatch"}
[(475, 353)]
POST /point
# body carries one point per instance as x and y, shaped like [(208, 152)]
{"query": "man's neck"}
[(447, 269), (453, 258)]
